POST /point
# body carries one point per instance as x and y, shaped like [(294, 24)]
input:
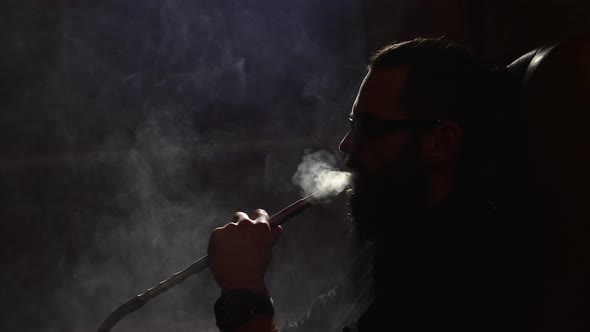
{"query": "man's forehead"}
[(381, 92)]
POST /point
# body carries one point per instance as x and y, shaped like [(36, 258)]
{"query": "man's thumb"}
[(276, 232)]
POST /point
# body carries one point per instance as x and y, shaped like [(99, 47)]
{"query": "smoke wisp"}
[(317, 173), (128, 140)]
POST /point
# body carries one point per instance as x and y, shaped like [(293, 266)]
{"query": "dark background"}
[(130, 129)]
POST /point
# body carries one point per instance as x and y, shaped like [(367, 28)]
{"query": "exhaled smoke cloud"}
[(317, 173)]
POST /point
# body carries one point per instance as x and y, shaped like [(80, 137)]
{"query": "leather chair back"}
[(545, 179)]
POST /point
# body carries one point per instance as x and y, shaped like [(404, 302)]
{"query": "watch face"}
[(232, 306), (238, 306)]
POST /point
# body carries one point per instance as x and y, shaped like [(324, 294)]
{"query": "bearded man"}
[(420, 129)]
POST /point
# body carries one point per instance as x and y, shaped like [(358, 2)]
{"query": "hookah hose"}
[(196, 267)]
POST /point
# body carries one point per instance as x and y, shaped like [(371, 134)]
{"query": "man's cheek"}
[(371, 162)]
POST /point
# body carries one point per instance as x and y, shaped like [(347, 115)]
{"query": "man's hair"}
[(446, 82)]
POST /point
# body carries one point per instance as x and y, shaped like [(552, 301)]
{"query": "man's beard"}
[(379, 202)]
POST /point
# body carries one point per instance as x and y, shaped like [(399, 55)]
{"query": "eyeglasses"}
[(369, 127)]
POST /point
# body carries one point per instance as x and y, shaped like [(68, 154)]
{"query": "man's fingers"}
[(239, 216), (260, 215)]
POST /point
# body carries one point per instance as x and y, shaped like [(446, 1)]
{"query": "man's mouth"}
[(350, 165)]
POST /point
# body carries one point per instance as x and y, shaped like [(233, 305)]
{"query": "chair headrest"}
[(523, 68), (519, 66)]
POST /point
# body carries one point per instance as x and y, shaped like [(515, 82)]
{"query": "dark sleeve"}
[(343, 304)]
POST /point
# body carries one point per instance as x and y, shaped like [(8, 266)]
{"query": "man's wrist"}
[(256, 286)]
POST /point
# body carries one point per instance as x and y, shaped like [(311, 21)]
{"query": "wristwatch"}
[(237, 306)]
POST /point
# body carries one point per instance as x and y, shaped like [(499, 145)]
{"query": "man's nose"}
[(347, 144)]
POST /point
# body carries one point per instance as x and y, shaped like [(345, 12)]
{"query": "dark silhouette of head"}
[(420, 126)]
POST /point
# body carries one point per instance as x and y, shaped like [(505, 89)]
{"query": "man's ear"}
[(442, 143)]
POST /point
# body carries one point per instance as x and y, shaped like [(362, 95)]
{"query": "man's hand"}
[(239, 252)]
